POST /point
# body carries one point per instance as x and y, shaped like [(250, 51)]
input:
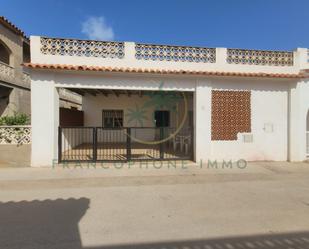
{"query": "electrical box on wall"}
[(268, 128), (247, 138)]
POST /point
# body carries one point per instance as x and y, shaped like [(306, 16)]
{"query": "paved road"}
[(263, 206)]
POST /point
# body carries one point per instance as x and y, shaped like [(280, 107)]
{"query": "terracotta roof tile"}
[(157, 71)]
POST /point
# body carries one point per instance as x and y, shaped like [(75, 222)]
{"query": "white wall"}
[(299, 106), (93, 106), (123, 81), (44, 119), (269, 107), (202, 120), (307, 121)]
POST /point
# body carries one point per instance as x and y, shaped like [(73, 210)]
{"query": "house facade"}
[(160, 102)]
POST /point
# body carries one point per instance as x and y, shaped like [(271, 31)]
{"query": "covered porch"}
[(128, 125)]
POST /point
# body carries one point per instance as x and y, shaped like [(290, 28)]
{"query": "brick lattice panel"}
[(231, 114)]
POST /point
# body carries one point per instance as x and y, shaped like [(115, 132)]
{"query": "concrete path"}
[(265, 205)]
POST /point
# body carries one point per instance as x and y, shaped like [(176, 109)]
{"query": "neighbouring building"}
[(14, 79), (161, 102)]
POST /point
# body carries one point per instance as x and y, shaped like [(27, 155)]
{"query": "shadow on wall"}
[(41, 224), (54, 224)]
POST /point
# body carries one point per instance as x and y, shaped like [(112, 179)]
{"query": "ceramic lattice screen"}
[(174, 53), (86, 48), (260, 57), (231, 114)]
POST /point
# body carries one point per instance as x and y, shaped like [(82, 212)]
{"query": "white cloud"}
[(96, 28)]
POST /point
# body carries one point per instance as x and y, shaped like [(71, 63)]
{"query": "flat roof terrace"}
[(139, 56)]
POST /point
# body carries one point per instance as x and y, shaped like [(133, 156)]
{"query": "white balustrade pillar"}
[(301, 58), (129, 50), (221, 55)]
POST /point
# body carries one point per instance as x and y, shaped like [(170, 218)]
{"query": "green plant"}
[(16, 119)]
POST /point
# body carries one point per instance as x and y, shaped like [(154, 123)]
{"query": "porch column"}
[(202, 121), (298, 108), (44, 119)]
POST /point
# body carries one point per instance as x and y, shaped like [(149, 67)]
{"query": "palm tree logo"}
[(157, 100), (137, 114), (162, 99)]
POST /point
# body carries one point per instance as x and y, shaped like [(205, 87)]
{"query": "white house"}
[(159, 102)]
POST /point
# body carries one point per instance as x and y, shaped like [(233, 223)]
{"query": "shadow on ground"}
[(41, 224), (54, 224), (275, 241)]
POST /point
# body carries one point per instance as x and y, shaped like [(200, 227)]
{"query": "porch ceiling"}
[(107, 92)]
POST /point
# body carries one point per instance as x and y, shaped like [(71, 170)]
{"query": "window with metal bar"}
[(112, 118)]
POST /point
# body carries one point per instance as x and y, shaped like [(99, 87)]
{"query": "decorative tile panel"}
[(174, 53), (87, 48), (15, 134), (259, 57), (230, 114)]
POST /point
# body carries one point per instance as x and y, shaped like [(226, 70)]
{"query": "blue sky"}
[(255, 24)]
